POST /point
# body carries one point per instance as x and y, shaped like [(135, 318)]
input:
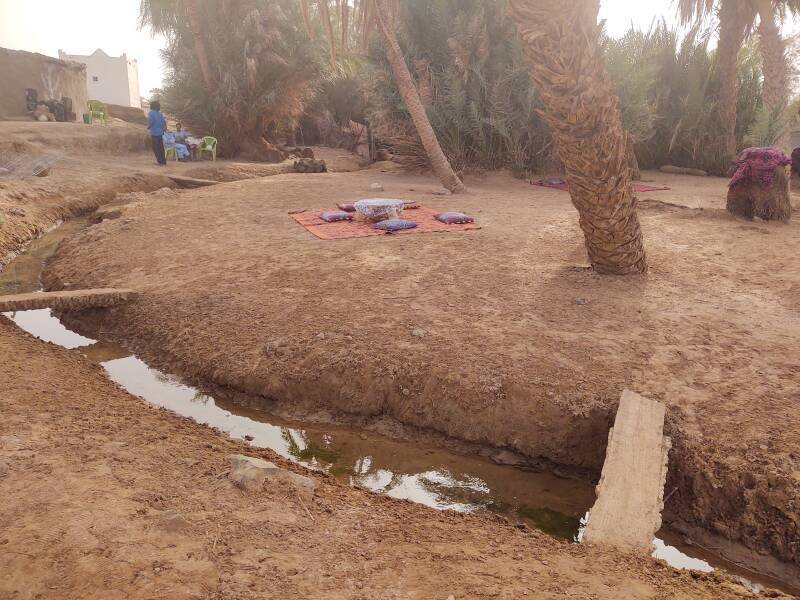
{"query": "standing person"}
[(156, 126)]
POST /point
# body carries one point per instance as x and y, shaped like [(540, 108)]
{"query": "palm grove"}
[(467, 85)]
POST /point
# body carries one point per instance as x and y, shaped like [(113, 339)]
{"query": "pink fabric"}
[(757, 165)]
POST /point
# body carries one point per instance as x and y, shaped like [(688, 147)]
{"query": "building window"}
[(94, 78)]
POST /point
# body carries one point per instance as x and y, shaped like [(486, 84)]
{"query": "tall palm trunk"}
[(733, 27), (408, 91), (325, 15), (773, 54), (199, 43), (345, 20), (773, 57), (307, 19), (561, 42)]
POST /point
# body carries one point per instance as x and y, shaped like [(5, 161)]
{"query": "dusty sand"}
[(105, 496), (94, 164), (491, 336)]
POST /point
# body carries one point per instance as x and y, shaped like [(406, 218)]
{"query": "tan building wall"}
[(52, 78)]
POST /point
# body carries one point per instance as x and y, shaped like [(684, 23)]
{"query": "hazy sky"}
[(47, 25)]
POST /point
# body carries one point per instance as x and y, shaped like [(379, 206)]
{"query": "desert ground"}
[(499, 337)]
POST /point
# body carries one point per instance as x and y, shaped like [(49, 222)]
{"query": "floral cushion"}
[(452, 218), (331, 216), (390, 225)]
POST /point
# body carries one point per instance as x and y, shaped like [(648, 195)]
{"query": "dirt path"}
[(105, 496), (490, 336)]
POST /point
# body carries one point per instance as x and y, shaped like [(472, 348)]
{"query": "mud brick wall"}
[(50, 77)]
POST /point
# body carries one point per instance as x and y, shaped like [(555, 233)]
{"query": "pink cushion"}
[(331, 216), (452, 218)]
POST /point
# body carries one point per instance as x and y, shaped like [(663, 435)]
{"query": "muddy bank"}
[(130, 476), (33, 205), (489, 336)]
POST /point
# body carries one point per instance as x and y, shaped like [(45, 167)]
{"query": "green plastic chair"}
[(170, 151), (209, 145), (96, 109)]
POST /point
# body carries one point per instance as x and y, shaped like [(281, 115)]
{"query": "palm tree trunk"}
[(199, 42), (732, 29), (307, 19), (408, 91), (561, 42), (367, 22), (773, 57), (325, 15), (773, 54), (345, 24), (633, 162)]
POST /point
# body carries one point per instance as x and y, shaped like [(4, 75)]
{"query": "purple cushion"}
[(452, 218), (331, 216), (395, 224), (347, 207)]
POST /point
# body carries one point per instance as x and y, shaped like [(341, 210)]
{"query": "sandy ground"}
[(93, 165), (105, 497), (490, 336)]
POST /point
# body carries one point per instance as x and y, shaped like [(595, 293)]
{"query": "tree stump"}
[(751, 200)]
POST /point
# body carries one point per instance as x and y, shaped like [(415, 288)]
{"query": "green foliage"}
[(484, 109), (469, 70), (263, 67), (472, 79), (668, 96)]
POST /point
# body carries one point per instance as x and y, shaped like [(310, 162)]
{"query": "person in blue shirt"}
[(156, 126)]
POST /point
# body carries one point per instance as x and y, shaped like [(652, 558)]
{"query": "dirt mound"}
[(238, 171), (164, 193), (105, 496), (490, 336), (32, 137)]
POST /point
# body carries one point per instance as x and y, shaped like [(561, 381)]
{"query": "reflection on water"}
[(420, 473), (40, 324), (22, 274), (427, 475), (672, 555)]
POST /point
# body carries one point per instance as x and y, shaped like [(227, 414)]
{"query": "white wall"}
[(108, 78)]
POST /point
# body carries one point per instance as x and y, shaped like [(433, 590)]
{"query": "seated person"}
[(180, 133), (170, 141)]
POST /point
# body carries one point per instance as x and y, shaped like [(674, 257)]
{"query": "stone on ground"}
[(251, 474)]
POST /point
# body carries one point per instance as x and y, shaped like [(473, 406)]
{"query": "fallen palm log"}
[(71, 300)]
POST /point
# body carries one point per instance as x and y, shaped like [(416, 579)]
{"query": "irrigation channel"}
[(413, 471)]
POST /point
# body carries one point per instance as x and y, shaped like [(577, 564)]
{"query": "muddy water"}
[(425, 474)]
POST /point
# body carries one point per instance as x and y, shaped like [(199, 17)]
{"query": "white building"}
[(112, 79)]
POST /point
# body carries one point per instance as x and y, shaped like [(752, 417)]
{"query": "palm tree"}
[(736, 22), (773, 51), (561, 43), (408, 91), (307, 19), (164, 15), (325, 15)]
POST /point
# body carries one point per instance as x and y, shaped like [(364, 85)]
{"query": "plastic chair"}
[(170, 151), (96, 109), (209, 145), (169, 146)]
